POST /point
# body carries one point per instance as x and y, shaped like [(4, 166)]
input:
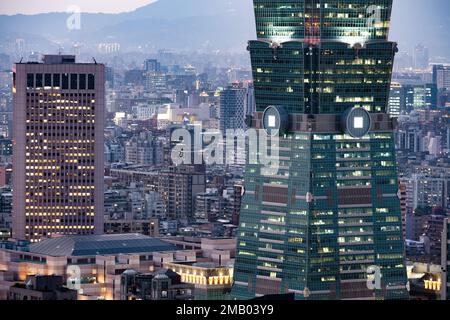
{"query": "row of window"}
[(64, 81)]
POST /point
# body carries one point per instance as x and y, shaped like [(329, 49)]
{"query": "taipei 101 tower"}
[(327, 225)]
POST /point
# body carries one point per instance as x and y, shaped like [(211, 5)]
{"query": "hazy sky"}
[(39, 6)]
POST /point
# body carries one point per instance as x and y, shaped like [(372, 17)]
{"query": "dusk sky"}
[(413, 21), (40, 6), (105, 6)]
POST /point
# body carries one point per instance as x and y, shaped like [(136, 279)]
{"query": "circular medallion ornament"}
[(356, 122), (275, 120)]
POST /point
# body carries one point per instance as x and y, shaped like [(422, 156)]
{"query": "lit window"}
[(272, 121), (359, 122)]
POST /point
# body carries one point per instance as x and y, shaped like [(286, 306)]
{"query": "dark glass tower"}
[(322, 73)]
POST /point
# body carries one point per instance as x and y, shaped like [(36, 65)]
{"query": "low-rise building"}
[(148, 227), (93, 265), (162, 285), (212, 281), (42, 288)]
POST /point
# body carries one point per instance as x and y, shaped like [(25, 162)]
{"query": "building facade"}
[(396, 100), (179, 187), (322, 75), (42, 288), (232, 108), (164, 285), (427, 191), (98, 267), (445, 254), (441, 76), (139, 149), (58, 148), (92, 264)]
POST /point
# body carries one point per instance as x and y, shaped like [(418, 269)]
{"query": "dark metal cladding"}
[(330, 215)]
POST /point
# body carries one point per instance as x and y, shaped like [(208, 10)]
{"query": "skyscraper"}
[(58, 148), (322, 73), (232, 108), (152, 65), (421, 57), (441, 76), (419, 96), (396, 100)]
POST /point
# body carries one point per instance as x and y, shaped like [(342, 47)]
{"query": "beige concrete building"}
[(94, 264), (58, 148)]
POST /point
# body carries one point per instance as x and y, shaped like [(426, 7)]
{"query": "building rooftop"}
[(58, 59), (108, 244)]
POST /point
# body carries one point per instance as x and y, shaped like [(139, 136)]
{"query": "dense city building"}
[(163, 285), (148, 227), (179, 187), (349, 199), (58, 148), (396, 100), (332, 210), (427, 191), (97, 266), (421, 57), (41, 287), (232, 108), (441, 76)]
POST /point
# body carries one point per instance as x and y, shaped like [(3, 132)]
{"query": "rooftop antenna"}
[(95, 61), (21, 59)]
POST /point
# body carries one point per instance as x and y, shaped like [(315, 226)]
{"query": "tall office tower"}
[(250, 105), (322, 72), (425, 190), (58, 148), (441, 76), (420, 96), (421, 57), (109, 76), (447, 139), (403, 205), (152, 65), (232, 108), (396, 100)]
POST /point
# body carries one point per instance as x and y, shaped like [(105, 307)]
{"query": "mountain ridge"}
[(224, 24)]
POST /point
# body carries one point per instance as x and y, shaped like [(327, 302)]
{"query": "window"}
[(82, 85), (56, 80), (30, 80), (359, 123), (73, 81), (47, 80), (39, 80), (91, 82), (272, 121), (65, 81)]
